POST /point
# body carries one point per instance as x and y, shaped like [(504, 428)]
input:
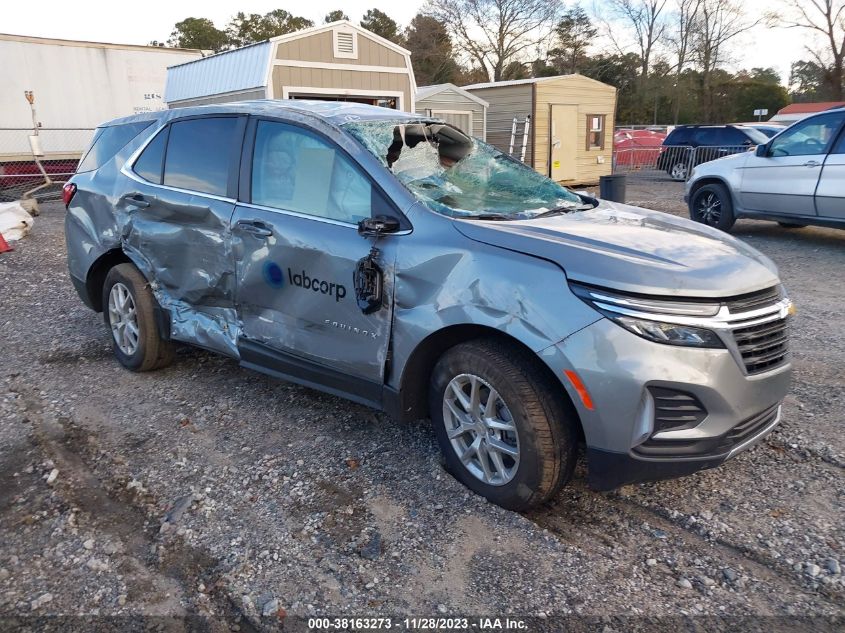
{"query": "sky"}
[(140, 22)]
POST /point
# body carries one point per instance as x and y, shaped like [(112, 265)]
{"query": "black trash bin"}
[(612, 187)]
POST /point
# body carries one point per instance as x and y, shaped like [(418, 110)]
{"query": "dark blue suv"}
[(690, 145)]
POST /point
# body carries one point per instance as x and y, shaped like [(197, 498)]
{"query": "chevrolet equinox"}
[(390, 259)]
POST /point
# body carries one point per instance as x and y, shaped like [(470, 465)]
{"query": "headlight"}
[(668, 333), (642, 316)]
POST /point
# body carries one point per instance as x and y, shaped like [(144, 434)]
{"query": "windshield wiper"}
[(561, 210), (485, 216)]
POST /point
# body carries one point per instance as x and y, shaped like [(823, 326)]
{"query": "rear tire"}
[(129, 312), (712, 205), (543, 436), (792, 225)]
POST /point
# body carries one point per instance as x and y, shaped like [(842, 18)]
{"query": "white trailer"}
[(76, 86)]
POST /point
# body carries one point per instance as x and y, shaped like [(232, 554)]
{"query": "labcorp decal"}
[(330, 288)]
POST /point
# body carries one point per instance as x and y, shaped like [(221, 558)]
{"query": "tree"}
[(680, 42), (516, 70), (431, 50), (198, 33), (248, 29), (335, 16), (494, 33), (574, 34), (621, 71), (717, 23), (807, 81), (646, 19), (758, 88), (826, 19), (382, 24)]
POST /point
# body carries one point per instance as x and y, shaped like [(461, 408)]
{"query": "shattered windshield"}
[(459, 176)]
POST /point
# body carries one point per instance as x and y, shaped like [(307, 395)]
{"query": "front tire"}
[(502, 429), (679, 171), (129, 312), (712, 205)]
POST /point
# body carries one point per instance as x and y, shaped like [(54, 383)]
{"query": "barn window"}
[(345, 43), (595, 131)]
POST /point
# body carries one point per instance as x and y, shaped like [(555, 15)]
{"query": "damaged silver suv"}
[(392, 260)]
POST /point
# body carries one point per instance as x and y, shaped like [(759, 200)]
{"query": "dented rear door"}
[(177, 208)]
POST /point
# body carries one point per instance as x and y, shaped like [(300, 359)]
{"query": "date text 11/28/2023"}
[(481, 624)]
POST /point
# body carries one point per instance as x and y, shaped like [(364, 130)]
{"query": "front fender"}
[(444, 279)]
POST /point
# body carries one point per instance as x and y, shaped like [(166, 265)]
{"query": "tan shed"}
[(570, 119), (338, 61)]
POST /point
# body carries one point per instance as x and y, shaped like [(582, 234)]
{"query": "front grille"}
[(754, 300), (763, 346), (676, 409)]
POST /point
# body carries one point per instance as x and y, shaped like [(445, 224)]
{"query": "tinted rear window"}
[(107, 142), (198, 154)]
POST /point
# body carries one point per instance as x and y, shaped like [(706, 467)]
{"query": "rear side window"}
[(709, 136), (732, 136), (151, 161), (107, 142), (679, 136), (199, 152)]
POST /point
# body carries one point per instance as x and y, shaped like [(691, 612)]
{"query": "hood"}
[(636, 250), (726, 162)]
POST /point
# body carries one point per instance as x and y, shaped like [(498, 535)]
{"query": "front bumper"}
[(622, 373), (608, 470)]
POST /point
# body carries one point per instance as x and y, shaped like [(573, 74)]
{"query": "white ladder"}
[(526, 126)]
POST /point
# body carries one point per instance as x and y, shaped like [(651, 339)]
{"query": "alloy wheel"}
[(679, 171), (481, 429), (123, 319), (709, 208)]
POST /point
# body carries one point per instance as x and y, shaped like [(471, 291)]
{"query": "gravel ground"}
[(205, 490)]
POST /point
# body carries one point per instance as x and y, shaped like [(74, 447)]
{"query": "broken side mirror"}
[(378, 226), (368, 279)]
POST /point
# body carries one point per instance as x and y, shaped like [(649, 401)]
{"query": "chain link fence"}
[(19, 172), (664, 162)]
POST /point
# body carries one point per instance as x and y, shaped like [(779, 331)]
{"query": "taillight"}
[(68, 191)]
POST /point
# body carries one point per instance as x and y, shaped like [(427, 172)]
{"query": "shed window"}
[(595, 131), (345, 44)]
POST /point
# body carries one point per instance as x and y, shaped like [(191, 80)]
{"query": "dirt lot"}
[(210, 491)]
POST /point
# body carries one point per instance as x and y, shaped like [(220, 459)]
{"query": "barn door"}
[(563, 142)]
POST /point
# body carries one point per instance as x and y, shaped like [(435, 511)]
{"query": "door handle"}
[(812, 163), (254, 227), (136, 200)]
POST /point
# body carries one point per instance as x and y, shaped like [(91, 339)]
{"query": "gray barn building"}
[(456, 106)]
